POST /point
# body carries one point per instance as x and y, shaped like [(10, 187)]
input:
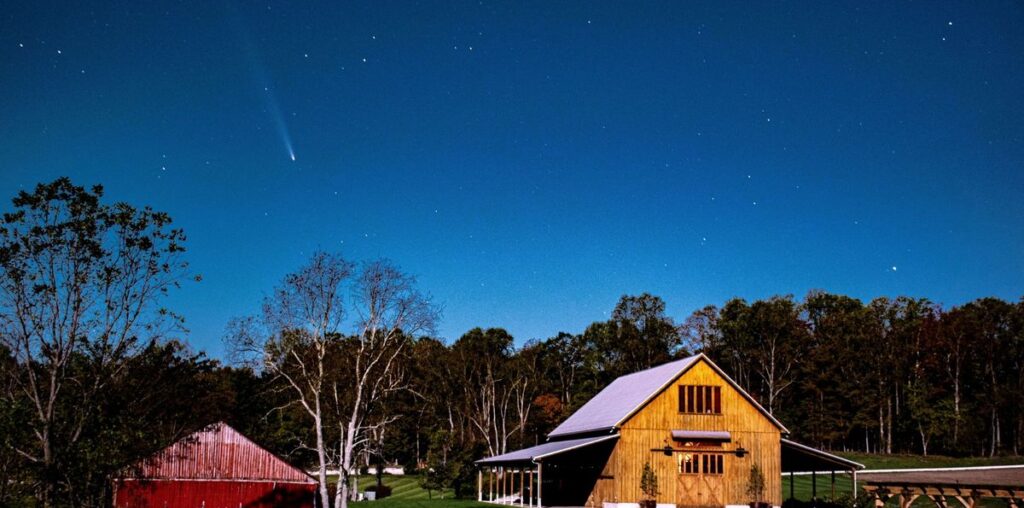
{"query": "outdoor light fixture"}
[(668, 451)]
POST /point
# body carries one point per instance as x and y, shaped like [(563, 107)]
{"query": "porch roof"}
[(541, 451), (799, 458)]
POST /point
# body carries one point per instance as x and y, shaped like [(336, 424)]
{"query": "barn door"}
[(700, 480)]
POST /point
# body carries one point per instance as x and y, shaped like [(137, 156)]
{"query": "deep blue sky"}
[(531, 162)]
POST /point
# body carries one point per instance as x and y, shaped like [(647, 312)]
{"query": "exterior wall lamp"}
[(668, 451)]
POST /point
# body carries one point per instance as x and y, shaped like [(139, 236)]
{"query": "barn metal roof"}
[(620, 400), (217, 452), (542, 451)]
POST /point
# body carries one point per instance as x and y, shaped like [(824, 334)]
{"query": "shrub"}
[(649, 482)]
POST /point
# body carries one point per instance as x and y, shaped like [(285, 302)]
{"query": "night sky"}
[(531, 162)]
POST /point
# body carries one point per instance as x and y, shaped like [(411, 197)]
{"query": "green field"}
[(802, 483), (406, 491), (873, 461)]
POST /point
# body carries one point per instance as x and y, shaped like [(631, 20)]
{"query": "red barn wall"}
[(212, 494)]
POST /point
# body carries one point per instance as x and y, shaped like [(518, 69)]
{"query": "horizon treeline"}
[(94, 377), (893, 375)]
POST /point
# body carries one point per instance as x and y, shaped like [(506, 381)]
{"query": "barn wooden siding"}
[(219, 453), (651, 427), (217, 467), (212, 494)]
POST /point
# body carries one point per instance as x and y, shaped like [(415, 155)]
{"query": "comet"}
[(261, 76), (274, 109)]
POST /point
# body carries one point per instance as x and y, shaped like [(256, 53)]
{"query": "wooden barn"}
[(700, 432), (216, 467)]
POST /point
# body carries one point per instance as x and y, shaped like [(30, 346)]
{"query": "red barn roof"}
[(217, 452)]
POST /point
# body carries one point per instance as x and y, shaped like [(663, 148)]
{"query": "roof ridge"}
[(629, 393)]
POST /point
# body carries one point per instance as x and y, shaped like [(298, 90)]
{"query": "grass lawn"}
[(873, 461), (406, 491), (421, 503)]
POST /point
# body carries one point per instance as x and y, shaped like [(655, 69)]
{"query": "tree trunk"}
[(924, 440), (47, 467), (321, 454), (956, 405), (888, 429), (347, 452)]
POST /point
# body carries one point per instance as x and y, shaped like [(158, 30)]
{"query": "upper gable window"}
[(700, 399)]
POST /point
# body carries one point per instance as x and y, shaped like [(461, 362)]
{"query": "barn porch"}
[(799, 459), (565, 470)]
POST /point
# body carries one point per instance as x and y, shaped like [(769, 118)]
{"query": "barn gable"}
[(217, 452), (612, 407)]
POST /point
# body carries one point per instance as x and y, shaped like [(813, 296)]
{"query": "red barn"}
[(216, 467)]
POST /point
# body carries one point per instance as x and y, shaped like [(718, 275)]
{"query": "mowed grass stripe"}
[(403, 488)]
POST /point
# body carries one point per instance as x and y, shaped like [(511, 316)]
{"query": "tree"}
[(638, 336), (700, 331), (831, 403), (483, 358), (80, 281), (649, 482), (755, 484), (296, 336), (389, 309)]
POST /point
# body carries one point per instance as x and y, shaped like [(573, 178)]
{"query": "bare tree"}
[(700, 331), (492, 388), (525, 380), (80, 283), (389, 310), (295, 335)]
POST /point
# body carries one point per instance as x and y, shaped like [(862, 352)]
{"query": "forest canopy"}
[(90, 388)]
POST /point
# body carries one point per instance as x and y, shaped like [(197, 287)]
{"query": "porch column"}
[(833, 485), (853, 473), (522, 502), (791, 485), (540, 484), (479, 485), (531, 489), (490, 483), (814, 485)]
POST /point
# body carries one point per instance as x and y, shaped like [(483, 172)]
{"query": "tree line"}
[(338, 367)]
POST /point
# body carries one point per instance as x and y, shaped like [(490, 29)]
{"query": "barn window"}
[(706, 463), (713, 463), (700, 399), (688, 463)]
